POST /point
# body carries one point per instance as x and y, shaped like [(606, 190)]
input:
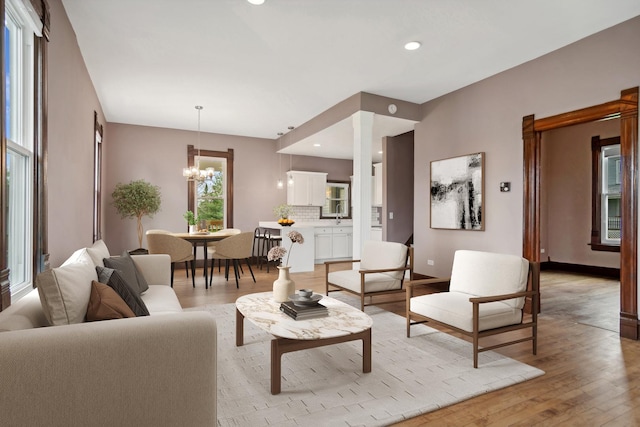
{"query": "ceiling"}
[(259, 69)]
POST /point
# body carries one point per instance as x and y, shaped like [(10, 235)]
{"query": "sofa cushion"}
[(64, 291), (113, 278), (454, 308), (106, 304), (26, 313), (161, 299), (128, 271), (98, 252)]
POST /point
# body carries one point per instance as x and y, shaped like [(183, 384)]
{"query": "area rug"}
[(326, 387)]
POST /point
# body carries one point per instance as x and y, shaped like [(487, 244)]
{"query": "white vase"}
[(283, 286), (192, 229)]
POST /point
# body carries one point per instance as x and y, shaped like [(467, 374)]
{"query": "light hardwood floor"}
[(592, 375)]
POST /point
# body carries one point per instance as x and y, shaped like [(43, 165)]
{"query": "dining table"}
[(203, 238)]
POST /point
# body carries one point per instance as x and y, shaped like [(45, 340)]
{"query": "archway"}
[(626, 108)]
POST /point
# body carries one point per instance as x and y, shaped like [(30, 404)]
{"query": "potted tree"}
[(136, 200)]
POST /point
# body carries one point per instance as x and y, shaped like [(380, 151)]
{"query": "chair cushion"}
[(375, 282), (454, 308), (484, 273), (378, 255)]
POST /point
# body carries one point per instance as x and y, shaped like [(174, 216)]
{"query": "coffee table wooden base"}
[(280, 346)]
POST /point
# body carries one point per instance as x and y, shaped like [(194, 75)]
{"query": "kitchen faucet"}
[(338, 218)]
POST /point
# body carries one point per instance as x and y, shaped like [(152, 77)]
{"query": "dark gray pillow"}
[(114, 279), (124, 263)]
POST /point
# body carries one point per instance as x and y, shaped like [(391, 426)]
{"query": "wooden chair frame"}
[(363, 274), (534, 294)]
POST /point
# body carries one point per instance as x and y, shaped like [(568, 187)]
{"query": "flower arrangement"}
[(278, 252), (283, 211)]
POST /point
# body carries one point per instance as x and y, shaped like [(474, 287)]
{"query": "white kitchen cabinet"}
[(341, 242), (333, 243), (376, 233), (376, 199), (323, 243), (306, 188)]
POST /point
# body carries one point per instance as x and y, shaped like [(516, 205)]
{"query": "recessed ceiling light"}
[(412, 45), (316, 145), (256, 2), (380, 152)]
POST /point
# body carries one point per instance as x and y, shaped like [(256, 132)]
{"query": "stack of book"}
[(303, 313)]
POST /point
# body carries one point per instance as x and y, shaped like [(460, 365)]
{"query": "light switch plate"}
[(505, 187)]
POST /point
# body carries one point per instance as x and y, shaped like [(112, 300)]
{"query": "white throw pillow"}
[(65, 290), (98, 251)]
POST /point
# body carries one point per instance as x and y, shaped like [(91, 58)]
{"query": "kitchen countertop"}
[(311, 224)]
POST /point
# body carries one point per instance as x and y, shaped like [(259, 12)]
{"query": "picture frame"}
[(457, 189)]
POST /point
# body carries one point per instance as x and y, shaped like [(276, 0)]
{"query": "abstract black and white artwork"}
[(456, 193)]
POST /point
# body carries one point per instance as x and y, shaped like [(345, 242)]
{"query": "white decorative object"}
[(192, 229), (283, 286)]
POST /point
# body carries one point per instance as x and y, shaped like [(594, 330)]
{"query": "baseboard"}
[(592, 270)]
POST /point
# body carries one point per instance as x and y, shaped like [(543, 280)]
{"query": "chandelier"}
[(194, 173)]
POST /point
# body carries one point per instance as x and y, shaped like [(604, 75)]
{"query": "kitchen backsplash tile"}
[(312, 214)]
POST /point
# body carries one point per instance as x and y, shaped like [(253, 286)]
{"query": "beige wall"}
[(158, 156), (487, 116), (72, 102), (565, 207)]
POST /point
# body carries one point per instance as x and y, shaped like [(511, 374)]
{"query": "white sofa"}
[(140, 371)]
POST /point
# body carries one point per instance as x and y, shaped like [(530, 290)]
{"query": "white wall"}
[(487, 116)]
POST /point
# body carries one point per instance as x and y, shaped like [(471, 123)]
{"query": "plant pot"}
[(283, 286), (192, 229)]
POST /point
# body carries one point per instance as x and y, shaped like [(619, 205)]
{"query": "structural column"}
[(362, 179)]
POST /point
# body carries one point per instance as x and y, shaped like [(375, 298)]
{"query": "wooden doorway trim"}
[(626, 108)]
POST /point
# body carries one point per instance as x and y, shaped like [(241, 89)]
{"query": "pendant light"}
[(280, 184), (194, 173)]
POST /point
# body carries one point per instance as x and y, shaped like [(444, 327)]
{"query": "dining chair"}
[(161, 242), (212, 245), (233, 249)]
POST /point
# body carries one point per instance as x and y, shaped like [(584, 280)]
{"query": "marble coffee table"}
[(344, 323)]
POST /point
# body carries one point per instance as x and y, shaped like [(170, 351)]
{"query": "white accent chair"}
[(383, 268), (486, 296)]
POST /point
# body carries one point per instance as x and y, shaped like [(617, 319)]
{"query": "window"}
[(337, 200), (211, 194), (97, 178), (212, 199), (606, 194), (19, 132)]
